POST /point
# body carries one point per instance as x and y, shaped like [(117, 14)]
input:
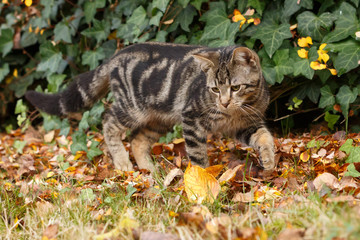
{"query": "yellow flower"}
[(317, 66), (323, 57), (28, 3), (238, 17), (322, 47), (304, 42), (333, 71), (303, 53), (250, 20)]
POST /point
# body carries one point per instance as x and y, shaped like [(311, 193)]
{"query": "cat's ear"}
[(207, 60), (245, 56)]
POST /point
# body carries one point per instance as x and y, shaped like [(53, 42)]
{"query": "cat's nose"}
[(225, 104)]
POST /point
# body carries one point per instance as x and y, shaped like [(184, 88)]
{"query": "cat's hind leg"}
[(113, 131), (141, 145)]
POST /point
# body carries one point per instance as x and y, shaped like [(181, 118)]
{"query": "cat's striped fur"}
[(157, 85)]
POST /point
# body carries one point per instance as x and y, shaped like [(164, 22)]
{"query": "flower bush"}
[(309, 49)]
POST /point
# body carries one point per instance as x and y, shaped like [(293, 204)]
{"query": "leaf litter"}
[(45, 168)]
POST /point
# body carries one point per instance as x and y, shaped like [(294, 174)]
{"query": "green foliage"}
[(354, 157), (58, 40)]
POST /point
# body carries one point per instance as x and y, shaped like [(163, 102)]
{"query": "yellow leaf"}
[(322, 46), (303, 53), (178, 140), (30, 29), (15, 73), (28, 3), (5, 1), (50, 174), (229, 174), (333, 71), (305, 156), (16, 222), (304, 42), (112, 35), (214, 170), (173, 214), (42, 31), (199, 185), (323, 56), (317, 66)]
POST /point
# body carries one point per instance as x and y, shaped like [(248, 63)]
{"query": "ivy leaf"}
[(62, 32), (92, 58), (344, 97), (55, 81), (186, 17), (331, 119), (347, 59), (354, 156), (6, 41), (155, 20), (313, 92), (272, 36), (283, 64), (311, 25), (258, 5), (197, 3), (351, 171), (327, 98), (346, 24), (183, 3), (269, 75), (303, 67), (217, 24), (161, 4), (94, 150), (290, 7), (79, 142), (138, 16), (99, 31), (51, 58), (4, 70), (347, 146), (90, 9)]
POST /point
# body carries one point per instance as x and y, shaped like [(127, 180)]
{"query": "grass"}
[(82, 218)]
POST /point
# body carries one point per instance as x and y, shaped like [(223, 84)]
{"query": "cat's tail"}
[(83, 92)]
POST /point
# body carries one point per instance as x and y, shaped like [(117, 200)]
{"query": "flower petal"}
[(302, 53), (323, 57), (304, 42), (333, 71), (237, 12), (238, 17), (317, 66), (322, 46)]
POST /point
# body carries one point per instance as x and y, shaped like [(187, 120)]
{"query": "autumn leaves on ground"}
[(48, 193)]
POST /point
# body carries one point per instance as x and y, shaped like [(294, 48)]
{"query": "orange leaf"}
[(200, 185), (305, 156), (214, 170)]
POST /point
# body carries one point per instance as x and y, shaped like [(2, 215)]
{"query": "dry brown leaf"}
[(49, 136), (51, 231), (229, 174), (157, 236), (171, 175), (326, 179), (291, 234), (199, 185), (214, 170), (243, 197)]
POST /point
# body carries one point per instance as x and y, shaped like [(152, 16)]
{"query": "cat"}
[(157, 85)]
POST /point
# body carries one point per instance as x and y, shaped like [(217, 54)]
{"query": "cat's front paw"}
[(267, 159)]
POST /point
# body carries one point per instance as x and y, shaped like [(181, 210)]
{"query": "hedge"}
[(309, 50)]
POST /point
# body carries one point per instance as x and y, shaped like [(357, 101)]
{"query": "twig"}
[(292, 114)]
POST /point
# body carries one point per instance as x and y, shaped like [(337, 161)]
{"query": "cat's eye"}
[(215, 90), (235, 88)]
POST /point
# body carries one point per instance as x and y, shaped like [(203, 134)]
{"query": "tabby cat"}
[(157, 85)]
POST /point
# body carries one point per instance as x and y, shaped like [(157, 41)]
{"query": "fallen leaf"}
[(157, 236), (291, 234), (214, 170), (199, 185), (49, 136), (326, 179), (51, 231), (229, 174), (244, 197), (171, 175)]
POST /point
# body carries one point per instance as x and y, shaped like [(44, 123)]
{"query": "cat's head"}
[(233, 76)]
